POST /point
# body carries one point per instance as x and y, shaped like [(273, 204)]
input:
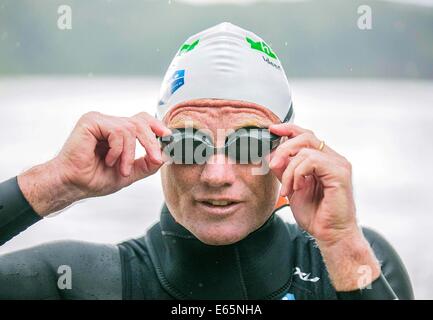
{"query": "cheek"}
[(263, 188), (177, 180)]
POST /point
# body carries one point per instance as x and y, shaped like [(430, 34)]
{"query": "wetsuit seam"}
[(275, 294), (242, 280)]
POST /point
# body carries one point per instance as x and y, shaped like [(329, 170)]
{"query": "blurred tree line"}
[(135, 37)]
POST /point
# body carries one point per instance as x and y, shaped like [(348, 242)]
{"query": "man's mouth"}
[(219, 207), (219, 202)]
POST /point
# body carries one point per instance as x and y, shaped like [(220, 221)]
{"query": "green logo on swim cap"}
[(188, 47), (261, 46)]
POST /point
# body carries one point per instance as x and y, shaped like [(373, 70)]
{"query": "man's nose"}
[(218, 171)]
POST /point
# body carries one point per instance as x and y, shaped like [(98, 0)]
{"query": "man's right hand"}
[(97, 159)]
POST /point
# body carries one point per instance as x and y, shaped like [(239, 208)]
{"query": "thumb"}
[(144, 167)]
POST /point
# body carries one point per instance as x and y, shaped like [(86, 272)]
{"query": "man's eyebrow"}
[(251, 123), (182, 123)]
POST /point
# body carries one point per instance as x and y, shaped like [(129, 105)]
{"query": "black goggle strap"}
[(185, 133), (289, 113)]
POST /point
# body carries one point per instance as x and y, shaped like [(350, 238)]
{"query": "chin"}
[(220, 235)]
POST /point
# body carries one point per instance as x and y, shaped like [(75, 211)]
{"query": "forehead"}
[(217, 113)]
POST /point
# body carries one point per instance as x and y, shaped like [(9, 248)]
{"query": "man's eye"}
[(202, 136)]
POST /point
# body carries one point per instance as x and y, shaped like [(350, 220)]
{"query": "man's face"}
[(194, 192)]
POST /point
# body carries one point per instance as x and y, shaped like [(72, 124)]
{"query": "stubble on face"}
[(186, 186)]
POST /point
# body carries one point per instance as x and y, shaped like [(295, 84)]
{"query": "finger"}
[(291, 147), (157, 126), (287, 129), (128, 154), (149, 142), (305, 138), (277, 170), (329, 170), (287, 177), (115, 142), (309, 180), (143, 168), (306, 173), (305, 168), (310, 192)]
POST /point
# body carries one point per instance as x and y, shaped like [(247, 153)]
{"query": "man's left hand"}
[(318, 184)]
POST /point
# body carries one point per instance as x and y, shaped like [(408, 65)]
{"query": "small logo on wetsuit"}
[(288, 296), (304, 276)]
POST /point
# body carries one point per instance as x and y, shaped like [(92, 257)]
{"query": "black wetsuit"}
[(277, 261)]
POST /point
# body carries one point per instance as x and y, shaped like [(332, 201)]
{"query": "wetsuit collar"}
[(257, 267)]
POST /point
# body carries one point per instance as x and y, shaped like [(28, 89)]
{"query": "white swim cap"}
[(227, 62)]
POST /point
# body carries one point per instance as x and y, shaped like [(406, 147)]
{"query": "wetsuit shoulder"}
[(34, 273), (392, 266), (62, 270)]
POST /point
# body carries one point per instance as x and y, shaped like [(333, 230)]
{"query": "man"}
[(219, 236)]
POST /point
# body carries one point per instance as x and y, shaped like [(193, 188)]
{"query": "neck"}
[(257, 267)]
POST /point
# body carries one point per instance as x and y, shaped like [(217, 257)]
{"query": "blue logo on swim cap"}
[(177, 80), (173, 83)]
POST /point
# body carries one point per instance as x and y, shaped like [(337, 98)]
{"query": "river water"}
[(384, 127)]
